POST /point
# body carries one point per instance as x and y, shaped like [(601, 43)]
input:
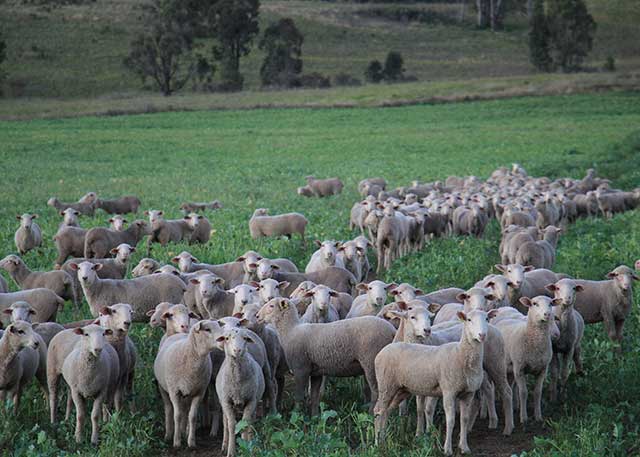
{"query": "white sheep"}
[(19, 360), (28, 236), (262, 224), (326, 256)]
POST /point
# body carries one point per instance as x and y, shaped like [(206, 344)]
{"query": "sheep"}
[(4, 287), (145, 267), (19, 360), (320, 310), (453, 371), (568, 345), (359, 213), (22, 311), (305, 191), (239, 385), (378, 182), (192, 207), (341, 303), (89, 198), (324, 187), (609, 301), (100, 240), (391, 236), (372, 222), (540, 254), (336, 278), (529, 349), (43, 301), (122, 205), (512, 216), (499, 286), (28, 236), (69, 218), (91, 370), (341, 348), (183, 370), (325, 256), (261, 224), (141, 293), (232, 272), (406, 292), (117, 223), (250, 261), (586, 204), (610, 203), (57, 281), (527, 282), (513, 238), (372, 300), (164, 230), (69, 241), (474, 298), (212, 301), (86, 209), (364, 244), (353, 259), (469, 221), (201, 228)]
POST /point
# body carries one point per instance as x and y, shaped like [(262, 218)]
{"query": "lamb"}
[(100, 240), (324, 187), (320, 310), (141, 293), (57, 281), (325, 256), (453, 371), (117, 223), (341, 303), (69, 218), (201, 228), (586, 204), (44, 302), (268, 289), (28, 236), (91, 370), (69, 241), (145, 267), (474, 298), (89, 198), (250, 261), (19, 360), (372, 300), (469, 221), (192, 207), (372, 222), (261, 224), (406, 293), (86, 209), (529, 349), (342, 348), (609, 301), (183, 370), (540, 254), (164, 230), (512, 216), (122, 205), (336, 278), (22, 311), (239, 385), (173, 318), (212, 301), (568, 345), (359, 213)]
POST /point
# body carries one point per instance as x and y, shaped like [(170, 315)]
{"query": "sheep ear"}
[(361, 286), (434, 307), (253, 265), (492, 313), (175, 260), (556, 301), (73, 266), (551, 287), (151, 312), (462, 296), (461, 315), (108, 332), (391, 286), (243, 322), (635, 277), (146, 213), (394, 292), (611, 275), (500, 267), (132, 249), (241, 259), (490, 297), (7, 311), (238, 315), (106, 311), (193, 315), (580, 287), (249, 339), (402, 305), (283, 303), (308, 293), (510, 284), (490, 284), (419, 292), (529, 268), (317, 243), (32, 312), (34, 216), (61, 213), (275, 267), (114, 251), (526, 301), (18, 217), (333, 294), (96, 322), (97, 267), (254, 284), (160, 213), (194, 281), (392, 313), (219, 281), (220, 340), (109, 221), (167, 315), (78, 331), (283, 284)]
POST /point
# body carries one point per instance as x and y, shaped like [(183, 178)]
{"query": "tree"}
[(539, 37), (234, 24), (393, 66), (571, 29), (162, 51), (373, 73), (282, 65), (3, 57)]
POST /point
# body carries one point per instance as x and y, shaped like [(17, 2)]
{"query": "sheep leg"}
[(537, 395), (52, 381), (230, 419), (430, 410), (193, 415), (499, 378), (372, 382), (80, 413), (248, 415), (177, 418), (301, 382), (521, 382), (619, 325), (449, 403), (565, 370), (316, 383), (388, 401), (577, 360), (489, 400), (553, 385), (168, 414), (465, 403), (95, 416), (67, 413), (15, 396), (420, 404)]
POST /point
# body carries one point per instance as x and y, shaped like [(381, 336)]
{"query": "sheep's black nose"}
[(84, 278)]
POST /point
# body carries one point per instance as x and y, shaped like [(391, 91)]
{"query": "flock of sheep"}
[(234, 331)]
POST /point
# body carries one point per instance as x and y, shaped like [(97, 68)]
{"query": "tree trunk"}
[(483, 13), (529, 9), (463, 8), (497, 14)]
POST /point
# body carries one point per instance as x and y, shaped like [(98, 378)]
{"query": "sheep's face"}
[(235, 342), (193, 220), (156, 315), (268, 289), (168, 269), (10, 263), (514, 273), (624, 277), (208, 284), (350, 251), (362, 243), (261, 212), (540, 308), (499, 286), (70, 217), (88, 198), (376, 292), (328, 252), (26, 220), (145, 267), (206, 332), (185, 261), (406, 292), (270, 311), (476, 324), (177, 319), (87, 271), (20, 311), (243, 294), (321, 297), (155, 216), (266, 269), (250, 261), (21, 335), (93, 338), (476, 298), (116, 317), (117, 223), (123, 252), (565, 291), (418, 319)]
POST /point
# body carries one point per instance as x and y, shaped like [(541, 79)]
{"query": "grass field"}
[(250, 159)]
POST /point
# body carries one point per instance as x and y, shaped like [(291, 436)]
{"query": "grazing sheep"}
[(86, 209), (529, 349), (117, 223), (261, 224), (69, 218), (373, 299), (69, 241), (336, 278), (469, 221), (142, 293), (320, 310), (512, 216), (453, 371), (567, 347), (201, 228), (359, 213), (91, 370), (540, 254), (513, 239), (325, 256), (212, 301), (324, 187), (145, 267), (122, 205), (342, 348), (610, 203), (305, 191), (22, 311), (192, 207), (183, 370), (28, 236), (100, 240), (239, 385), (19, 360), (44, 302), (164, 230)]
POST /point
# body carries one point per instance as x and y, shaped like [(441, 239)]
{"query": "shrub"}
[(345, 79), (539, 36), (393, 67), (314, 81), (282, 64), (609, 64), (373, 73), (571, 30)]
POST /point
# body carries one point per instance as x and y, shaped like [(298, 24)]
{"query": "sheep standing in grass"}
[(22, 311), (100, 240), (28, 236), (117, 223), (201, 228), (341, 302), (250, 261), (212, 301), (354, 258), (69, 241), (145, 267), (192, 207), (122, 205), (44, 302), (261, 224), (164, 230), (19, 360), (320, 310), (69, 218), (85, 208), (337, 278), (324, 187), (326, 256), (373, 299)]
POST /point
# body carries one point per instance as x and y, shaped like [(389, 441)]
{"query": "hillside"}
[(76, 51)]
